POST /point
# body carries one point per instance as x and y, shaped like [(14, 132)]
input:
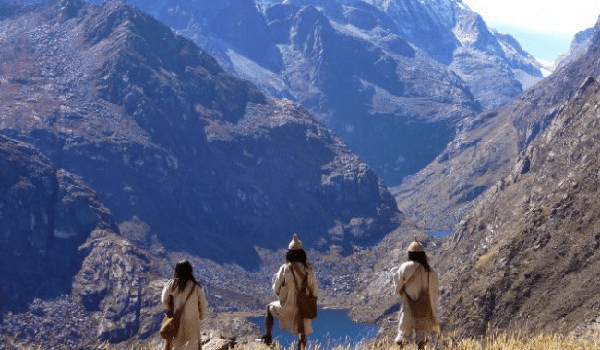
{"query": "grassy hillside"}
[(502, 341)]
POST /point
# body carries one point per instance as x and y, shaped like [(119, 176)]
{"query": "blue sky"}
[(544, 28)]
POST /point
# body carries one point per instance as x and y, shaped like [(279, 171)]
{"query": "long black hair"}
[(183, 273), (421, 258), (296, 255)]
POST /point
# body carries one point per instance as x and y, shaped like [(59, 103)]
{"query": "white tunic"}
[(195, 310), (421, 280), (283, 286)]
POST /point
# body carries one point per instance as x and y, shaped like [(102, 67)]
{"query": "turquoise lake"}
[(438, 233), (332, 327)]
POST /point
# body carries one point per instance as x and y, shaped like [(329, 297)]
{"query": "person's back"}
[(187, 295), (418, 285), (415, 279), (286, 283), (293, 272)]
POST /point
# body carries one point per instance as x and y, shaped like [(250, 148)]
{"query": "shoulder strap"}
[(178, 313), (403, 291), (304, 282), (293, 275)]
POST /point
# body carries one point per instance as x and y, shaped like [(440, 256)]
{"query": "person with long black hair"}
[(286, 282), (183, 291), (417, 284)]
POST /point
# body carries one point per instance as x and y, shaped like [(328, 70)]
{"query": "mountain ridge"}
[(528, 246), (483, 152), (363, 29)]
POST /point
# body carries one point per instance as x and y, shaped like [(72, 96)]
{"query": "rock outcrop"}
[(54, 269), (46, 214), (29, 192)]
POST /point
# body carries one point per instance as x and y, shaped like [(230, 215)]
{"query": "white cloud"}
[(542, 16)]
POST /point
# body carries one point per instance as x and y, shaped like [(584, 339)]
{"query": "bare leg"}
[(301, 335), (269, 322), (302, 342), (267, 339), (420, 339)]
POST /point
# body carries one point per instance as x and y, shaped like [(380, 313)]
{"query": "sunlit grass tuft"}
[(501, 341)]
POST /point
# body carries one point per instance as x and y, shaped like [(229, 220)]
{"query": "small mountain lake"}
[(332, 327), (438, 233)]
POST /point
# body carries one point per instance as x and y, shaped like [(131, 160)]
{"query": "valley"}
[(132, 138)]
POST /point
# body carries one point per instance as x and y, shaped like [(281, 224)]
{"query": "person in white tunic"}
[(185, 292), (417, 284), (285, 309)]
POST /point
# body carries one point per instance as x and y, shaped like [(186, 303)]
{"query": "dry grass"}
[(501, 341), (537, 342)]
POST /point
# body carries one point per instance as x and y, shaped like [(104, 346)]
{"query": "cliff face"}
[(58, 267), (47, 213), (29, 194)]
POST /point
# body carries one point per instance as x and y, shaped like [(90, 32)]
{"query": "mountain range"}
[(126, 147), (528, 250), (110, 117), (204, 157), (375, 72), (523, 256)]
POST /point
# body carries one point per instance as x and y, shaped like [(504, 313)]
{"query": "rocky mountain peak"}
[(473, 32), (579, 45), (309, 27)]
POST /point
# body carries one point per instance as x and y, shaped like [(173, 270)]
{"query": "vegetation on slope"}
[(504, 341)]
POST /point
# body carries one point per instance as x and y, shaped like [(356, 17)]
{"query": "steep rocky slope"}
[(46, 214), (160, 131), (526, 256), (579, 46), (77, 279), (443, 192), (376, 72)]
